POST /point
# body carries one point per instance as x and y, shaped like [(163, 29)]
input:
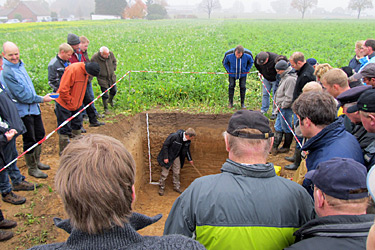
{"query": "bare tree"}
[(303, 5), (360, 5), (209, 5)]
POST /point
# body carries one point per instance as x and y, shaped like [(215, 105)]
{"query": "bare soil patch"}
[(34, 218)]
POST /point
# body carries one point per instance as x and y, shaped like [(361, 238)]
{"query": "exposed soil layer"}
[(35, 224)]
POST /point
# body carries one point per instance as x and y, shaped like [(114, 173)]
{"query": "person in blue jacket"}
[(327, 137), (238, 64)]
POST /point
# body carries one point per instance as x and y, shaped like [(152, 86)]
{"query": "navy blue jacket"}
[(332, 141), (355, 64)]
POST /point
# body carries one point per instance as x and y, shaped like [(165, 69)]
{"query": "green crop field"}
[(185, 45)]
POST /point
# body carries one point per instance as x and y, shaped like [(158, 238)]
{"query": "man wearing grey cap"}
[(284, 98), (247, 206), (366, 108), (72, 91), (265, 63), (341, 199), (367, 75)]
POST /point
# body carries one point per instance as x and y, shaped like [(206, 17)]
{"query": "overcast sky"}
[(326, 4)]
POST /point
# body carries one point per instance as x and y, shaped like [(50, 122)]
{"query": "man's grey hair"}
[(103, 49)]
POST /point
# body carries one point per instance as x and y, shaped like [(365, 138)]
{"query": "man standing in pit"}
[(172, 155), (238, 64)]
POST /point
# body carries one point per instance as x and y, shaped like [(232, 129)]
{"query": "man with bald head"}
[(20, 87), (107, 76)]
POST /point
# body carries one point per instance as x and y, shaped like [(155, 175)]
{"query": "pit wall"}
[(207, 150)]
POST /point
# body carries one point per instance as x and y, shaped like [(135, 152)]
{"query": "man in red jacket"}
[(72, 92)]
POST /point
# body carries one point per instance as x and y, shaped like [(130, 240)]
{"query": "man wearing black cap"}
[(72, 91), (347, 99), (341, 200), (247, 206), (366, 108), (265, 63)]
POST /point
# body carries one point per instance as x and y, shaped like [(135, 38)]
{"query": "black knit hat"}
[(243, 119), (73, 39), (92, 68)]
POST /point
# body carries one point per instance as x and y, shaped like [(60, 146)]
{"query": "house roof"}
[(37, 8), (5, 12)]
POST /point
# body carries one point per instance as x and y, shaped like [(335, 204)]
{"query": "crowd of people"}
[(330, 112)]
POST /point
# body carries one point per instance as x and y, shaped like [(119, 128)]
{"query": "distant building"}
[(104, 17), (32, 10)]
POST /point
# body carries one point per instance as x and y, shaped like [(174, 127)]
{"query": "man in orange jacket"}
[(72, 91)]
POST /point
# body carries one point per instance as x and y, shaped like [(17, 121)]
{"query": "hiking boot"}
[(24, 186), (83, 130), (273, 117), (7, 224), (243, 106), (96, 124), (161, 191), (4, 235), (177, 190), (14, 199)]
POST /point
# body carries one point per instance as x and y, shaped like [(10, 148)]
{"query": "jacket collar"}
[(9, 64), (328, 133), (337, 226), (255, 170)]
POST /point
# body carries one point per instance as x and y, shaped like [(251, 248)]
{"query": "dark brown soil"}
[(35, 225)]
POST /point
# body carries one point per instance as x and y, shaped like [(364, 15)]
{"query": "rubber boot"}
[(291, 158), (32, 164), (243, 94), (76, 133), (105, 106), (297, 161), (287, 142), (276, 142), (110, 100), (63, 142), (38, 151)]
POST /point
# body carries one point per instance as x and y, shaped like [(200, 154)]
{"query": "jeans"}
[(10, 153), (266, 97), (91, 96), (280, 124)]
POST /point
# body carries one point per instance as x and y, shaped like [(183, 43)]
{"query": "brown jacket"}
[(108, 66), (73, 86)]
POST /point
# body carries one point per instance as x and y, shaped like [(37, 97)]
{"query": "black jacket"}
[(173, 147), (334, 232), (56, 69), (305, 75), (268, 70)]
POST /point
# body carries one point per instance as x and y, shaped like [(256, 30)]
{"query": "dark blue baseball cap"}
[(341, 178)]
